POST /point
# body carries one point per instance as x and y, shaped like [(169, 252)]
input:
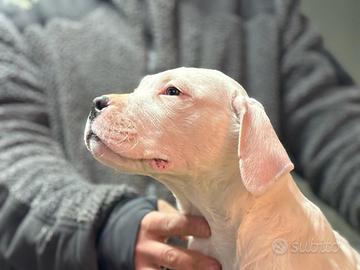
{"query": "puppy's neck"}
[(224, 199), (217, 197)]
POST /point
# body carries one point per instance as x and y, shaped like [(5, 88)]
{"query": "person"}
[(60, 209)]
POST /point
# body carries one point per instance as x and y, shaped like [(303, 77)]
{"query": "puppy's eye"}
[(172, 91)]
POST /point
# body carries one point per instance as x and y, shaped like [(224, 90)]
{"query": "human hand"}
[(151, 251)]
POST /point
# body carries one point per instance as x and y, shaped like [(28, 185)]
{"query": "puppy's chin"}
[(97, 148), (107, 157), (93, 143)]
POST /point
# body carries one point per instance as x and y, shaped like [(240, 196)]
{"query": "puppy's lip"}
[(90, 135), (98, 148)]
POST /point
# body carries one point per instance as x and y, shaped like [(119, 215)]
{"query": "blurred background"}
[(339, 24)]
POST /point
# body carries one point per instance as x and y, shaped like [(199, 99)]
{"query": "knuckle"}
[(145, 225), (148, 221), (178, 225), (169, 256), (174, 225), (169, 225)]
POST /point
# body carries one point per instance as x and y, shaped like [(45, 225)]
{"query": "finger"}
[(171, 224), (178, 258)]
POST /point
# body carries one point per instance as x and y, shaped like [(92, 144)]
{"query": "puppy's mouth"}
[(90, 136), (99, 148)]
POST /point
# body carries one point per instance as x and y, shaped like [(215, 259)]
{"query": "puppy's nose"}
[(100, 103)]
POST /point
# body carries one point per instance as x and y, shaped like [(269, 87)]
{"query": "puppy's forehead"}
[(196, 80), (197, 76)]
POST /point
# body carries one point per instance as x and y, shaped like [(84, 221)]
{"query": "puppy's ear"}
[(262, 158)]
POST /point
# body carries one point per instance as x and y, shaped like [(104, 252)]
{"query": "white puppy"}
[(198, 132)]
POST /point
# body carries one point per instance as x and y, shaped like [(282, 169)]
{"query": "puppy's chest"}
[(222, 243), (221, 246)]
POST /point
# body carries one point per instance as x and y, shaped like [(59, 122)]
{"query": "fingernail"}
[(206, 230), (214, 266)]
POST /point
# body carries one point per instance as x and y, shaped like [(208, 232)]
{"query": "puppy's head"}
[(185, 122)]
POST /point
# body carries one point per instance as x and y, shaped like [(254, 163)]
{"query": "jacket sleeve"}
[(321, 115), (50, 217)]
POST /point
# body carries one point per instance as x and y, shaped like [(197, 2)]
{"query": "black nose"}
[(100, 102)]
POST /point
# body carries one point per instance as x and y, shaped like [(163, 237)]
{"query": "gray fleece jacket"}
[(59, 208)]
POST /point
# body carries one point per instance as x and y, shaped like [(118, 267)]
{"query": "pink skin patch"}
[(159, 164)]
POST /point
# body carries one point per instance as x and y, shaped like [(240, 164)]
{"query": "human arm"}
[(50, 217), (76, 225)]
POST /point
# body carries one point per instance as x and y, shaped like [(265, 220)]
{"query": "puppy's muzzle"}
[(99, 103)]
